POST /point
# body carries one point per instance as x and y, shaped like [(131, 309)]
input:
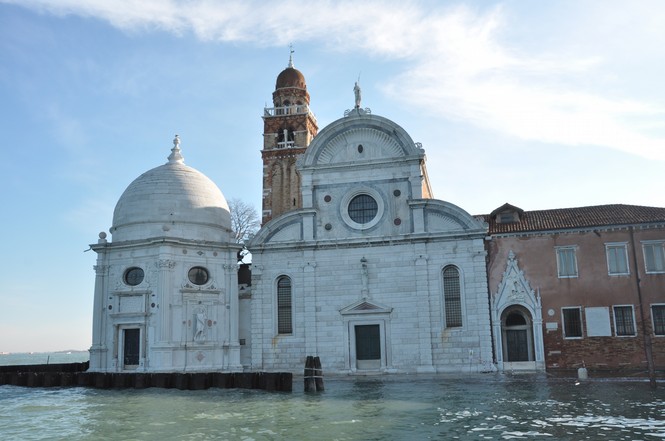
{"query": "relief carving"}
[(165, 263), (100, 270)]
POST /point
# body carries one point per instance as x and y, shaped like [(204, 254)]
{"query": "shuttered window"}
[(617, 259), (654, 257), (566, 262)]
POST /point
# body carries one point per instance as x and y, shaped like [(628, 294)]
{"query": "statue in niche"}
[(199, 327), (364, 277), (517, 292)]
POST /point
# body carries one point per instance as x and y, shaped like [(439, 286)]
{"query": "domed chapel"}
[(355, 262)]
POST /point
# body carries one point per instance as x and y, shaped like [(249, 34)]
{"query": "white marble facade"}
[(371, 274), (376, 280), (166, 292)]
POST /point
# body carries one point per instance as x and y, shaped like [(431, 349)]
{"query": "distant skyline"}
[(540, 104)]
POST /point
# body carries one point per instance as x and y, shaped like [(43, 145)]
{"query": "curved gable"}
[(285, 228), (440, 216), (379, 137)]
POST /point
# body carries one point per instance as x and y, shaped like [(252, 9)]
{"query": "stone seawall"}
[(75, 374)]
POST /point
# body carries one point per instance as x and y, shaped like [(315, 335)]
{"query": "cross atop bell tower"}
[(288, 128)]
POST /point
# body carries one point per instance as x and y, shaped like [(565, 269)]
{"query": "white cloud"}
[(457, 62)]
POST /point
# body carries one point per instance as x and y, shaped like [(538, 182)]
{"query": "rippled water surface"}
[(373, 408)]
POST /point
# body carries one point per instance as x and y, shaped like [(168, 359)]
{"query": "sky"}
[(539, 104)]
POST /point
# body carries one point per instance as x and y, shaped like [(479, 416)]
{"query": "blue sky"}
[(540, 104)]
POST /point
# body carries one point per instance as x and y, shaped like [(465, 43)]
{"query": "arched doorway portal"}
[(517, 334)]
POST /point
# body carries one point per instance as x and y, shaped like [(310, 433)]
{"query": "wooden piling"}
[(318, 375), (310, 384)]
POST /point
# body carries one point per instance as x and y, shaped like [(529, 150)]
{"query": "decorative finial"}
[(291, 51), (175, 155)]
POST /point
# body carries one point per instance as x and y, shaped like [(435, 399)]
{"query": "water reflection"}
[(380, 408), (369, 402)]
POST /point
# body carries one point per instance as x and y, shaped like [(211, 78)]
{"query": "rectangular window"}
[(654, 256), (624, 321), (566, 261), (617, 259), (658, 318), (572, 322)]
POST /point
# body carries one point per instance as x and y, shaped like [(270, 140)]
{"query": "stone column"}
[(259, 297), (165, 289), (99, 348), (424, 307), (309, 303), (233, 311)]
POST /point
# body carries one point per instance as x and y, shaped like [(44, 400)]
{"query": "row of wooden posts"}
[(313, 374), (68, 375), (75, 374)]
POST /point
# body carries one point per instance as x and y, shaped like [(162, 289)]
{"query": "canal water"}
[(461, 407)]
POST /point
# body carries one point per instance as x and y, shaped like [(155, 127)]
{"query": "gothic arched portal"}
[(517, 334)]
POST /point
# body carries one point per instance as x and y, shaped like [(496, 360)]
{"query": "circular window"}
[(198, 275), (363, 208), (133, 276)]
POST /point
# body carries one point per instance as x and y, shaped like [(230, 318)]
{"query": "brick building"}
[(577, 286)]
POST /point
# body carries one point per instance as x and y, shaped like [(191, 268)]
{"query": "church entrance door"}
[(518, 349), (517, 333), (131, 346), (368, 346)]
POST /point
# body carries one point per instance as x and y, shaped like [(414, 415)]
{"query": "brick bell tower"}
[(288, 128)]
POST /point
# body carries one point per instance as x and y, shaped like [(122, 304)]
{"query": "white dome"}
[(172, 200)]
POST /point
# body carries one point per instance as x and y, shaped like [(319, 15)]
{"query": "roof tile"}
[(580, 217)]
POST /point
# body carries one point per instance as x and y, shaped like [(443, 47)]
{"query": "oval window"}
[(133, 276), (363, 208), (198, 275)]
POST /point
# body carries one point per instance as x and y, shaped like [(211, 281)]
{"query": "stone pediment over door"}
[(515, 289), (365, 307), (514, 294)]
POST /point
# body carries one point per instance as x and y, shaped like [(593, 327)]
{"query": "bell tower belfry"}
[(288, 128)]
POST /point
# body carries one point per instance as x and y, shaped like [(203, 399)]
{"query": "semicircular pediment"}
[(375, 144), (360, 138)]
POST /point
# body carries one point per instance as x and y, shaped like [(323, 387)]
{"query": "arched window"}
[(452, 297), (284, 315), (285, 138)]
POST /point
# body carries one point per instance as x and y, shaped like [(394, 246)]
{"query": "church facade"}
[(371, 273)]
